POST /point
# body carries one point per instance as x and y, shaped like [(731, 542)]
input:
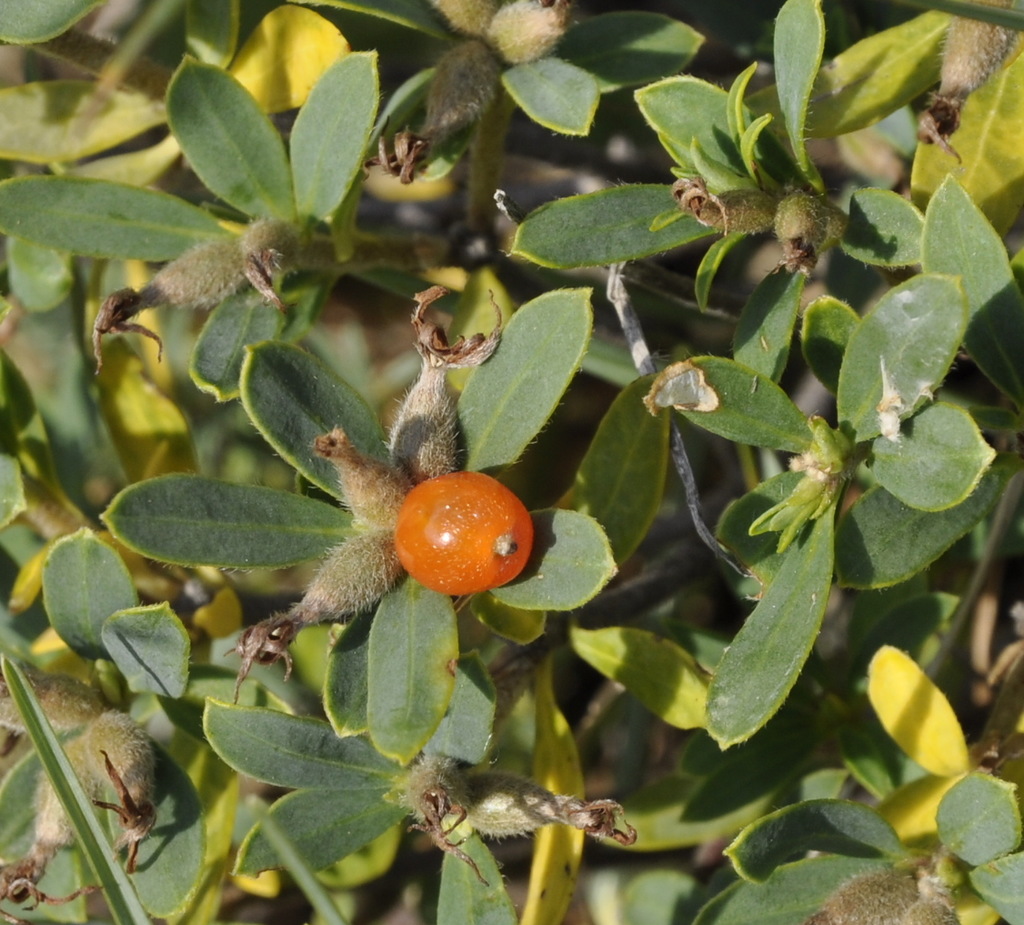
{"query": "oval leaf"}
[(97, 218), (621, 480), (413, 642), (605, 227), (571, 562), (837, 826), (464, 897), (958, 239), (732, 401), (899, 353), (937, 461), (881, 541), (765, 328), (190, 520), (39, 277), (293, 751), (979, 819), (916, 713), (151, 648), (663, 676), (1001, 885), (26, 21), (629, 48), (465, 732), (331, 133), (293, 398), (85, 582), (12, 491), (555, 94), (345, 686), (761, 665), (230, 144), (884, 229), (799, 42), (509, 399), (827, 327)]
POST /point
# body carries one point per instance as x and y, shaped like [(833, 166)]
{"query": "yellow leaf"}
[(137, 168), (222, 616), (48, 643), (990, 142), (285, 55), (557, 848), (911, 809), (266, 884), (916, 713), (29, 581), (971, 910), (149, 432)]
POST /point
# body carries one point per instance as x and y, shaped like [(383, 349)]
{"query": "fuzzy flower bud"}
[(876, 898), (527, 30), (806, 224), (747, 211), (470, 17)]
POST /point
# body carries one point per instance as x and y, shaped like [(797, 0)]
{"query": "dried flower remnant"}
[(746, 211), (106, 745), (422, 445), (497, 804)]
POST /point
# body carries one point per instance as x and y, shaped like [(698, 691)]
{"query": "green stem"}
[(487, 161)]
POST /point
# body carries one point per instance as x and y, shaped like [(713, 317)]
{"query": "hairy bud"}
[(748, 211), (878, 898), (526, 30), (806, 224), (470, 17)]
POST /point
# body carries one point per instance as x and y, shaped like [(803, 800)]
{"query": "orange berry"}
[(463, 532)]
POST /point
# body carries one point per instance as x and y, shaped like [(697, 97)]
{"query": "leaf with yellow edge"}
[(150, 434), (557, 848), (659, 673), (916, 713), (911, 809), (990, 142), (285, 55)]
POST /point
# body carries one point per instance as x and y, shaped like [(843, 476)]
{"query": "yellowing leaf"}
[(916, 713), (29, 581), (222, 616), (911, 809), (266, 884), (990, 142), (659, 673), (48, 643), (285, 55), (557, 848), (150, 433), (138, 168)]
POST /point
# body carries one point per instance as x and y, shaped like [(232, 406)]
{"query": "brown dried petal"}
[(432, 342)]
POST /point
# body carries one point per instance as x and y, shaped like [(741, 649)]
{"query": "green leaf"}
[(238, 322), (211, 30), (293, 398), (229, 142), (937, 460), (555, 94), (759, 552), (513, 623), (761, 665), (63, 120), (620, 481), (97, 218), (12, 491), (791, 895), (151, 648), (118, 891), (331, 132), (884, 229), (871, 79), (509, 399), (25, 21), (836, 826), (880, 541), (323, 825), (170, 857), (958, 239), (663, 676), (345, 686), (294, 751), (411, 13), (571, 562), (413, 642), (825, 333), (899, 354), (978, 818), (84, 582), (869, 753), (1001, 884), (466, 730), (799, 42), (464, 898), (39, 277), (661, 897), (990, 145), (766, 324), (190, 520), (629, 48), (709, 266), (741, 404), (599, 228)]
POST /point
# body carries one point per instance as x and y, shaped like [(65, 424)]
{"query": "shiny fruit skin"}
[(462, 533)]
